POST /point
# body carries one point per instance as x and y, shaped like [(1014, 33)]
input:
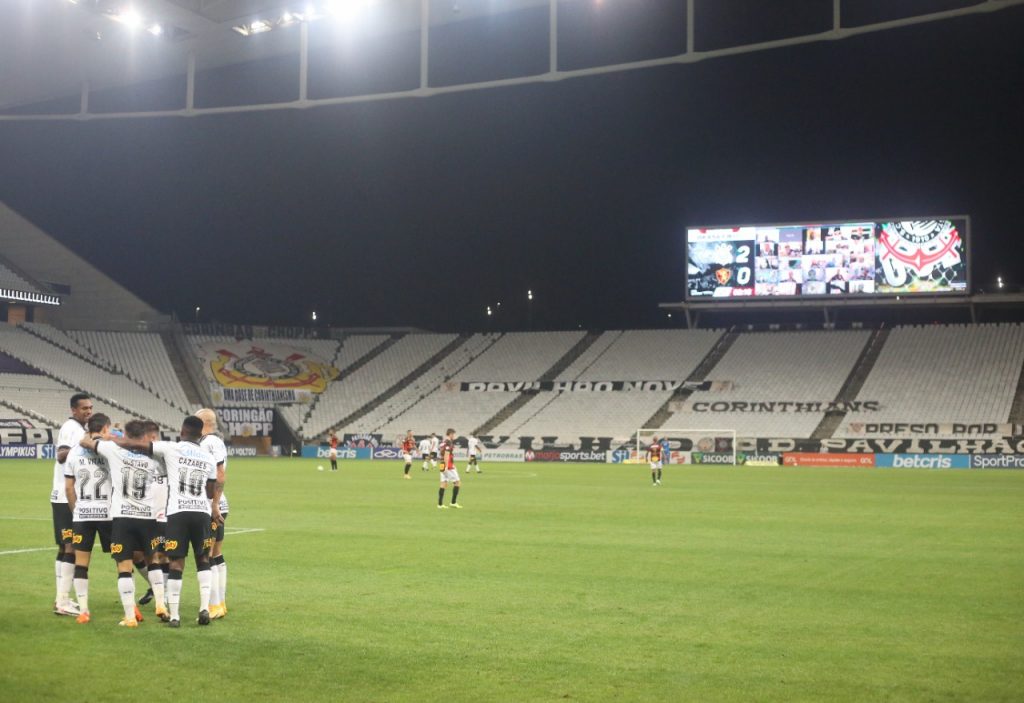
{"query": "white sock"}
[(214, 585), (126, 587), (56, 573), (223, 582), (204, 589), (156, 582), (174, 597), (82, 593), (67, 575), (143, 571), (433, 464)]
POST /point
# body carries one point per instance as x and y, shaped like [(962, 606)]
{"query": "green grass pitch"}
[(554, 583)]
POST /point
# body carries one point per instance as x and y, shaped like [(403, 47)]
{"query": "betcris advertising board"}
[(315, 451), (922, 461)]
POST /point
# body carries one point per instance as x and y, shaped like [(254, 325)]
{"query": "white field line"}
[(230, 531), (15, 517), (25, 551)]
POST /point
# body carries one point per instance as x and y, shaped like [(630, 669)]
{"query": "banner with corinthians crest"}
[(261, 373)]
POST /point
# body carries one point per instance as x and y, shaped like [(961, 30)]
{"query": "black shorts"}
[(218, 529), (472, 458), (129, 535), (433, 455), (63, 524), (187, 528), (156, 544), (85, 535)]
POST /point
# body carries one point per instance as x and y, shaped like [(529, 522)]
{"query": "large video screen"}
[(853, 259)]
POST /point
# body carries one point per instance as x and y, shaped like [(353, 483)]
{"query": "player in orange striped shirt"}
[(408, 447)]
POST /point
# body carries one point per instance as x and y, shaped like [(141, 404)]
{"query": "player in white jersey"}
[(191, 475), (87, 484), (160, 562), (435, 444), (219, 513), (134, 507), (424, 449), (476, 451), (70, 433)]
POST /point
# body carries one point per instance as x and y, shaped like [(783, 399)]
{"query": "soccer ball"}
[(320, 468)]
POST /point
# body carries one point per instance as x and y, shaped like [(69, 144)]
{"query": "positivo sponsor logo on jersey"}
[(997, 461)]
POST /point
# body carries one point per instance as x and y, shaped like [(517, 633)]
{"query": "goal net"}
[(687, 446)]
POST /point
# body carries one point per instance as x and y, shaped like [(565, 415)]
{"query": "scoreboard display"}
[(852, 259)]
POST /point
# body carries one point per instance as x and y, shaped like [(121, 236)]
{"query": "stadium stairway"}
[(831, 420), (174, 343), (550, 375), (705, 367), (59, 339), (405, 380), (19, 410), (355, 365), (1017, 409)]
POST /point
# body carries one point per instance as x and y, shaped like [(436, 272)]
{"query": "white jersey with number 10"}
[(188, 467)]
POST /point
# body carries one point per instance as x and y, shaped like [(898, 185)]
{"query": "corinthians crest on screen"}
[(271, 366), (925, 251)]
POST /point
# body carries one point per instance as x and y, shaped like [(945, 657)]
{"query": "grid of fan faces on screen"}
[(810, 260)]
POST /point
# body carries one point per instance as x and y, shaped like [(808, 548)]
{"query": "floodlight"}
[(129, 18)]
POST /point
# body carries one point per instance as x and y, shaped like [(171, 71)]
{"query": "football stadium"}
[(511, 350)]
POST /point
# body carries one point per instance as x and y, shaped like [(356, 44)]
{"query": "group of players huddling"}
[(148, 501), (431, 449)]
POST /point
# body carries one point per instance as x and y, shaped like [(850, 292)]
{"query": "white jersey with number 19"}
[(133, 482), (188, 468)]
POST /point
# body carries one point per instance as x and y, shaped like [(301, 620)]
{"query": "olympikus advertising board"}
[(264, 373), (855, 259)]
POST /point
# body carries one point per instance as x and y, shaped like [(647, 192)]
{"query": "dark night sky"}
[(423, 211)]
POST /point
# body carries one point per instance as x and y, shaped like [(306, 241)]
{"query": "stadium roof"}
[(61, 46), (58, 44)]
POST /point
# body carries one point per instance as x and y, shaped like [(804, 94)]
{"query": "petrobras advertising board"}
[(922, 461), (499, 455), (997, 461), (316, 451)]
